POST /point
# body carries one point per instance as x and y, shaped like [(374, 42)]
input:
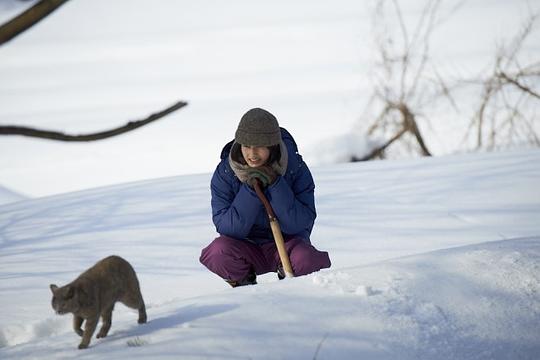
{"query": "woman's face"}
[(255, 155)]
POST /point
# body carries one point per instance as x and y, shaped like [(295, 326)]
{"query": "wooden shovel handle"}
[(276, 231)]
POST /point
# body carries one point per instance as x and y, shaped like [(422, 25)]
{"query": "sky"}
[(94, 65)]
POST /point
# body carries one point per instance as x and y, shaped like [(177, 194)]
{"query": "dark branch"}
[(28, 18), (54, 135), (518, 85), (379, 151)]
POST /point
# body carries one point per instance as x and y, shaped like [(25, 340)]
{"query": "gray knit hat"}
[(258, 128)]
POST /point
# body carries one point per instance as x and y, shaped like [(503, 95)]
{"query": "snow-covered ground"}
[(432, 259), (8, 196)]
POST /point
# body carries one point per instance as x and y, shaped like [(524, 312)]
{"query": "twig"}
[(319, 346), (380, 149), (522, 87)]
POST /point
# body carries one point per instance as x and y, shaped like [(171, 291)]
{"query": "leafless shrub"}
[(408, 85), (507, 111), (403, 86)]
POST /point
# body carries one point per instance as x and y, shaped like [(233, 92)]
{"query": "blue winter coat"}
[(237, 212)]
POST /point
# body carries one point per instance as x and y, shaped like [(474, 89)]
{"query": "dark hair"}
[(275, 154)]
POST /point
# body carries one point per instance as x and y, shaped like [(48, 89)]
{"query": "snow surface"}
[(8, 196), (96, 64), (432, 259)]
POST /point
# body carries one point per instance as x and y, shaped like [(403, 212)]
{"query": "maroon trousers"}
[(234, 259)]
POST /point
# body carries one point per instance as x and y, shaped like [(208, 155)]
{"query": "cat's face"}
[(65, 299)]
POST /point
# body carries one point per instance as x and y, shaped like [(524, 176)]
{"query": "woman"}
[(264, 152)]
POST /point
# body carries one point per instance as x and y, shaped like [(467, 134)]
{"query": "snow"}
[(341, 148), (96, 64), (11, 8), (431, 258), (7, 196)]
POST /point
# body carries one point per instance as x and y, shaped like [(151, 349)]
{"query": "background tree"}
[(507, 114), (403, 87), (407, 86)]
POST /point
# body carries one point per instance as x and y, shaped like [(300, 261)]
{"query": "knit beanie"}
[(258, 128)]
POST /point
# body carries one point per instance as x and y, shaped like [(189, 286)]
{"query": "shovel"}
[(276, 231)]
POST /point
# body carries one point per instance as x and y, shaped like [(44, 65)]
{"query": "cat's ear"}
[(53, 288)]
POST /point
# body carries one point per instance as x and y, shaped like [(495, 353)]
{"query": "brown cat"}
[(95, 292)]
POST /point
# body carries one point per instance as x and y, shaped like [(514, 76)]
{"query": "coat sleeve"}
[(233, 213), (294, 205)]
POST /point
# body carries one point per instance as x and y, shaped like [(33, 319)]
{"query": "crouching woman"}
[(261, 151)]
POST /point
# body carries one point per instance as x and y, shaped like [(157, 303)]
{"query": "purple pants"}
[(233, 259)]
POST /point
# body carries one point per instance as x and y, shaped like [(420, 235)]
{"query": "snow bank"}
[(340, 149), (432, 258), (8, 196), (473, 302)]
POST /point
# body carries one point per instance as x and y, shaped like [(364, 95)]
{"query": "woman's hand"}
[(265, 174)]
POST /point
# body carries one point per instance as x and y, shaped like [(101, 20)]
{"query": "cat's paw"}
[(83, 346), (101, 334), (79, 332)]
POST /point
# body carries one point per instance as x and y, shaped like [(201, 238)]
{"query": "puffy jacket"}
[(237, 211)]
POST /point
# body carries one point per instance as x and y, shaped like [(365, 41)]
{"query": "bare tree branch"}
[(54, 135), (404, 58), (514, 81), (28, 18), (430, 12), (23, 22), (503, 116), (445, 90), (378, 151), (409, 121), (401, 84)]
